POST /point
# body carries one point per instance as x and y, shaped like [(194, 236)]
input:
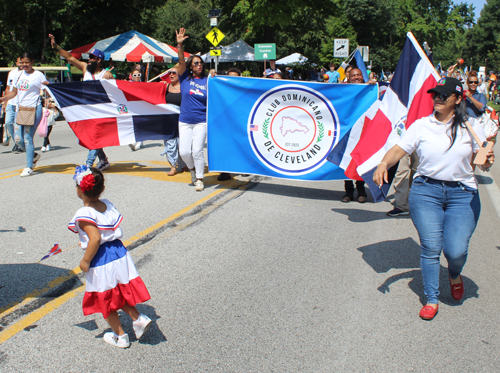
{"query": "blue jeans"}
[(445, 214), (28, 135), (10, 117), (93, 154), (172, 152)]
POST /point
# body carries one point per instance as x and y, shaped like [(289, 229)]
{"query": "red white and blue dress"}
[(112, 280)]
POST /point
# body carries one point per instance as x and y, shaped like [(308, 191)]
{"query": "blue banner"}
[(281, 128)]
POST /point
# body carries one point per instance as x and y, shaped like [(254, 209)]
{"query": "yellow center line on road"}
[(39, 313), (10, 174), (36, 315)]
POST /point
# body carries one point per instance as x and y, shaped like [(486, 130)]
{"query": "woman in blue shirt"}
[(193, 117)]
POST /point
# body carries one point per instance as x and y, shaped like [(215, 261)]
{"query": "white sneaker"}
[(141, 325), (43, 149), (47, 148), (36, 157), (138, 145), (102, 165), (193, 175), (115, 340), (198, 184), (27, 172)]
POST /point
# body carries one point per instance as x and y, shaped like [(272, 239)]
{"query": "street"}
[(253, 274)]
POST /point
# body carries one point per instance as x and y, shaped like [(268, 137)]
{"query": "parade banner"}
[(279, 128), (105, 113)]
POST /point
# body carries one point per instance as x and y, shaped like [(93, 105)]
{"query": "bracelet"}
[(179, 45), (57, 48), (386, 166)]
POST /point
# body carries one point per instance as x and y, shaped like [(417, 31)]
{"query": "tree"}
[(483, 39)]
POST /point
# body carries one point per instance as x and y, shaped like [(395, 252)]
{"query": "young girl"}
[(112, 280)]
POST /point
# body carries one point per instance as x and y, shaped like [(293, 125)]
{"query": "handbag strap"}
[(480, 143)]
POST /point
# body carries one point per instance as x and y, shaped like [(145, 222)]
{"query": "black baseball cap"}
[(447, 86)]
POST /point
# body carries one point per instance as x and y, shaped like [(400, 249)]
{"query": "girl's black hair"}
[(98, 188), (459, 120), (189, 63), (27, 55)]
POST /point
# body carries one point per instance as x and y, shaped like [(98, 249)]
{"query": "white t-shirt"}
[(482, 89), (11, 82), (98, 76), (431, 140), (29, 87)]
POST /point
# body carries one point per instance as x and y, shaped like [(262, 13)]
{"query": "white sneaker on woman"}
[(115, 340), (199, 185), (43, 149), (27, 172)]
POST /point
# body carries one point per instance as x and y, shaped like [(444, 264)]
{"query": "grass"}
[(494, 106)]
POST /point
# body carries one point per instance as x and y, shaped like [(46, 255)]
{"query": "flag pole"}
[(158, 76)]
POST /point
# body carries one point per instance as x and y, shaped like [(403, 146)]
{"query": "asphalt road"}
[(251, 275)]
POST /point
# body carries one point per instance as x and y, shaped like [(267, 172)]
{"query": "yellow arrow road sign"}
[(216, 52), (215, 36)]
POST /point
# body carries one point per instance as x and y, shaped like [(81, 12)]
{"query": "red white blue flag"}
[(105, 113), (55, 250), (405, 101)]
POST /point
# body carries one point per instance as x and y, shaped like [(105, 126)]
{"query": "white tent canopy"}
[(238, 51), (294, 58)]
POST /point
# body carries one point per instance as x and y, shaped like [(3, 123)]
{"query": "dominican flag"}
[(55, 250), (405, 101), (105, 113)]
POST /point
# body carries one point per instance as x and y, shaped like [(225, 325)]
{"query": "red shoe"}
[(428, 312), (457, 290)]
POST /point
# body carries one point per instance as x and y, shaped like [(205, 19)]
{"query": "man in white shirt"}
[(481, 88), (93, 70), (10, 110)]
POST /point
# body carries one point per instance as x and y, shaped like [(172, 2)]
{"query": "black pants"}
[(46, 140), (360, 187)]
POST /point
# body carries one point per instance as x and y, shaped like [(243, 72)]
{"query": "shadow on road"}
[(153, 337), (299, 192), (19, 280), (363, 216), (405, 254)]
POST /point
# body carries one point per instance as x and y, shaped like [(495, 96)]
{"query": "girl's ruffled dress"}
[(112, 280)]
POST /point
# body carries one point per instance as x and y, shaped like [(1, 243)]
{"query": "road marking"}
[(36, 315), (493, 191), (39, 313), (10, 174), (155, 170)]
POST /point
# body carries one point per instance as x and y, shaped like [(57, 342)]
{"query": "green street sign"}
[(265, 51)]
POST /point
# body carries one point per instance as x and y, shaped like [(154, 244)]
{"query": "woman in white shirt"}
[(444, 200), (27, 90)]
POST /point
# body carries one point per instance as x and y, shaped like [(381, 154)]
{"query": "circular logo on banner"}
[(122, 109), (292, 129)]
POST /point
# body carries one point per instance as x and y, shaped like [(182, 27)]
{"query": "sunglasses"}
[(198, 63), (137, 75), (92, 57), (472, 82), (172, 72), (441, 96)]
